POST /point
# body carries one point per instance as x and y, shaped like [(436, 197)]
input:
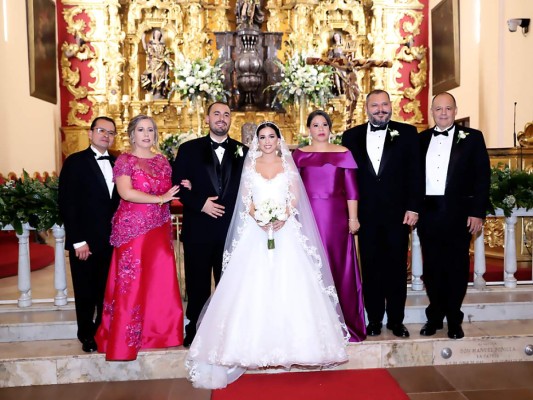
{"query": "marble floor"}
[(499, 381)]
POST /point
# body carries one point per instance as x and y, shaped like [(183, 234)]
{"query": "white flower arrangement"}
[(393, 133), (171, 141), (267, 212), (462, 135), (300, 79), (197, 78)]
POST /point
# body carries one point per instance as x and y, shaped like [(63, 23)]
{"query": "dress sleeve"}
[(350, 183), (123, 166)]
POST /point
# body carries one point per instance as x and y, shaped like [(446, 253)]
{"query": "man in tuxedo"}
[(213, 164), (457, 181), (390, 191), (87, 201)]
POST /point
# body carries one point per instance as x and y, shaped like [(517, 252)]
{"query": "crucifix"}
[(345, 78)]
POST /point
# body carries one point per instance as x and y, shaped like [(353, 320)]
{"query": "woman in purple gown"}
[(328, 173), (142, 304)]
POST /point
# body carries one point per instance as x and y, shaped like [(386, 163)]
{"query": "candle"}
[(148, 97), (125, 98)]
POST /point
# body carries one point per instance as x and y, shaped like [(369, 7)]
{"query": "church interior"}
[(69, 61)]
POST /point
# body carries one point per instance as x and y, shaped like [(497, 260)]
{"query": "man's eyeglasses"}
[(102, 131)]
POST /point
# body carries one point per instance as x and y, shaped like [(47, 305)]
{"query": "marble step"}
[(47, 322), (62, 361)]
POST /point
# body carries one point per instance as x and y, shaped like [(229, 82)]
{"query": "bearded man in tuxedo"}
[(88, 200), (457, 183), (390, 191), (213, 164)]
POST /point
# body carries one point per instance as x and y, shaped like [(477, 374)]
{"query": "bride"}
[(275, 305)]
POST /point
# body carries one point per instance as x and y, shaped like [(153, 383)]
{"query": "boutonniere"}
[(238, 151), (462, 135), (393, 133)]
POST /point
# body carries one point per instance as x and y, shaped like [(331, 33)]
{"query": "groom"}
[(213, 164)]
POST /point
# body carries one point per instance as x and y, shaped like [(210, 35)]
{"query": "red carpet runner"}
[(41, 255), (365, 384)]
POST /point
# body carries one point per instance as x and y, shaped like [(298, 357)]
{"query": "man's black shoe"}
[(374, 329), (88, 345), (398, 330), (455, 332), (430, 328)]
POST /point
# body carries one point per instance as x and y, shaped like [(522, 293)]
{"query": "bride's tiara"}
[(270, 124)]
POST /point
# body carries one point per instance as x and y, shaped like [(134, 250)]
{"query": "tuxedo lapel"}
[(95, 169), (209, 163), (227, 165), (361, 142)]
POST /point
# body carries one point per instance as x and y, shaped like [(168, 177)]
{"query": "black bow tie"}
[(104, 158), (437, 133), (216, 145), (374, 128)]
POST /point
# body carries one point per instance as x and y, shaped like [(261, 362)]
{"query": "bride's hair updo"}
[(268, 124)]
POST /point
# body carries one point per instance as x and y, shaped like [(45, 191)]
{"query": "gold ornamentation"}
[(494, 231), (108, 38)]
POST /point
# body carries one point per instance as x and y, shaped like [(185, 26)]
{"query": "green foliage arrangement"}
[(197, 78), (28, 200), (510, 188), (171, 141), (301, 79)]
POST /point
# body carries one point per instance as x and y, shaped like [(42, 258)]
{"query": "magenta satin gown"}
[(330, 181), (142, 304)]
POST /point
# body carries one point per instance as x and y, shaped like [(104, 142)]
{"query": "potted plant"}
[(510, 189)]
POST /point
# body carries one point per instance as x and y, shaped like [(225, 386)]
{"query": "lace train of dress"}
[(270, 307)]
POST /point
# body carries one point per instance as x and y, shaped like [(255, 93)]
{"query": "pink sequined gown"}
[(142, 304)]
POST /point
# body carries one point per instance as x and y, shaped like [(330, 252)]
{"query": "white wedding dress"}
[(271, 307)]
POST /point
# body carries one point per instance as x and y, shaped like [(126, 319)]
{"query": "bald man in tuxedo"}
[(457, 181)]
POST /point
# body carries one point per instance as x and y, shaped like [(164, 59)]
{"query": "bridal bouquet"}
[(267, 212)]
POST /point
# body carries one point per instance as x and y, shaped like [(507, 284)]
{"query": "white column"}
[(60, 277), (509, 257), (416, 262), (24, 277), (479, 261)]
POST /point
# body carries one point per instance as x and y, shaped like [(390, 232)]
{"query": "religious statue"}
[(336, 50), (249, 14), (247, 133), (154, 79)]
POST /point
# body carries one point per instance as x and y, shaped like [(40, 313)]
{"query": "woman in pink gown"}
[(142, 304), (328, 173)]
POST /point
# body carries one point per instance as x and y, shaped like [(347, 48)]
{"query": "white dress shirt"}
[(437, 160), (107, 170), (220, 150), (375, 141)]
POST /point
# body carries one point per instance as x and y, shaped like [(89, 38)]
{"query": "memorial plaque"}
[(481, 351)]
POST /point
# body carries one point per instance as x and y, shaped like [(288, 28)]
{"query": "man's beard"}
[(381, 123), (219, 130)]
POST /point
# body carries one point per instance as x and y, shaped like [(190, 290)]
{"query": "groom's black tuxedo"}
[(384, 198), (203, 236), (442, 226), (87, 209)]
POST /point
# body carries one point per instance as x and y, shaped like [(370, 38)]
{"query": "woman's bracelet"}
[(353, 219), (161, 201)]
